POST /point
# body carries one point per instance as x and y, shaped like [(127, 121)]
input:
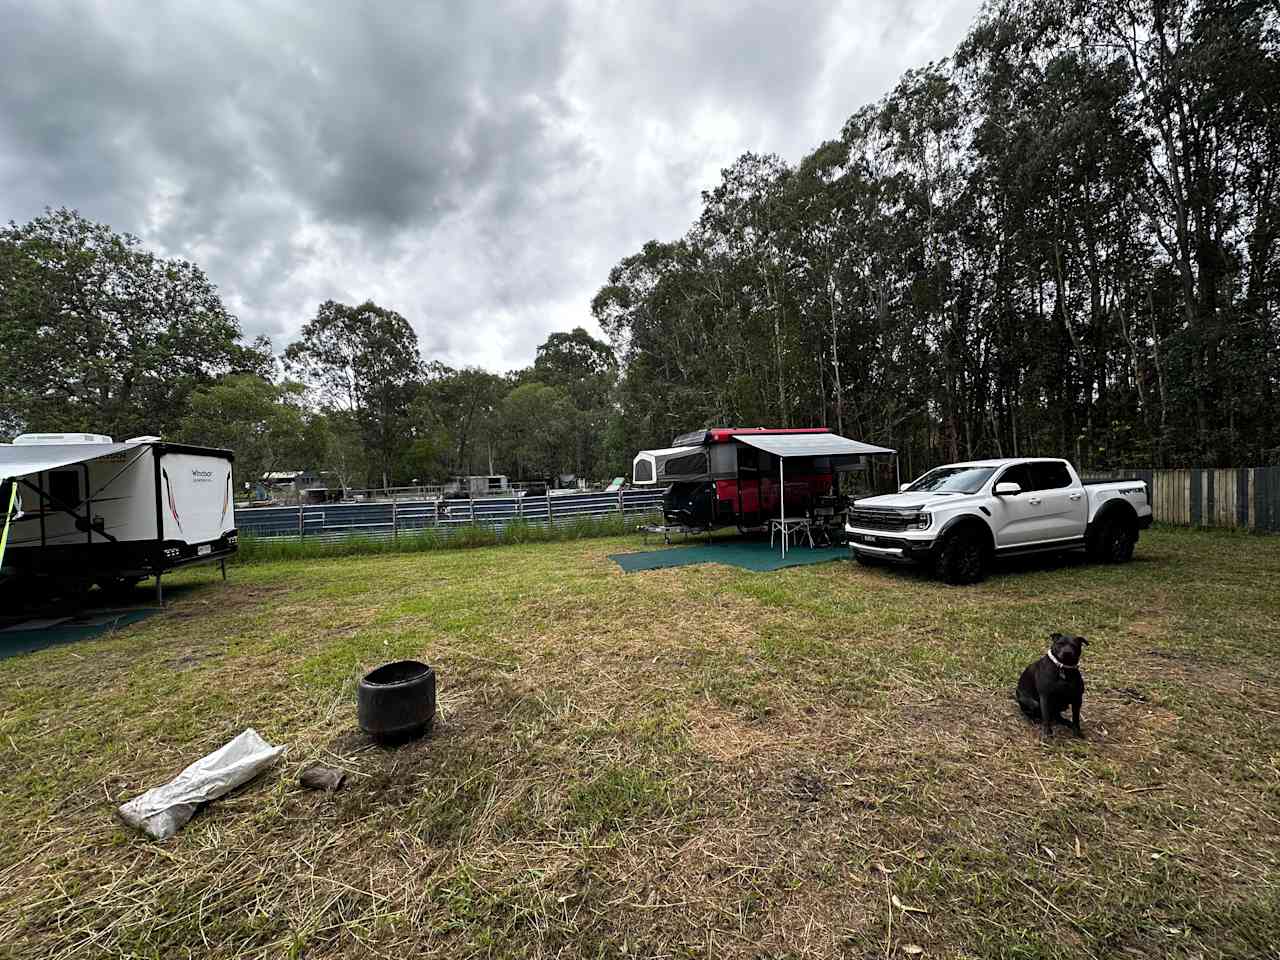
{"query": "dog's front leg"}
[(1075, 716), (1046, 718)]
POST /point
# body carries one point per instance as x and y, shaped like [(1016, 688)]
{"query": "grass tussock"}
[(820, 762)]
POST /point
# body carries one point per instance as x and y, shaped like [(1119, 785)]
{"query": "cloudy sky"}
[(478, 166)]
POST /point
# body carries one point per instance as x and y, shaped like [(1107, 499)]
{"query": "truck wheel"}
[(962, 558), (1112, 542)]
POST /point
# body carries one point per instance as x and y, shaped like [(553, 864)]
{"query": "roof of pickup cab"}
[(1003, 463)]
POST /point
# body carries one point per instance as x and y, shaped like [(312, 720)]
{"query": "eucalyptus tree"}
[(362, 361)]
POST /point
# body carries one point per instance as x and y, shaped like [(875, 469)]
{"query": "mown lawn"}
[(823, 761)]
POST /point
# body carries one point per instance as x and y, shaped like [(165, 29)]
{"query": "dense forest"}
[(1060, 240)]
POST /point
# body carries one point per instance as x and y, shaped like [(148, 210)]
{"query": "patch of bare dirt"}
[(723, 737)]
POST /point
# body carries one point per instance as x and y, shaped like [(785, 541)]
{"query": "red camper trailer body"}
[(715, 481)]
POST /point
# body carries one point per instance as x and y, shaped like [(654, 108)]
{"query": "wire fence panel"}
[(388, 519)]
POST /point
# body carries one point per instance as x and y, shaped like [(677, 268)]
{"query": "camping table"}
[(789, 527)]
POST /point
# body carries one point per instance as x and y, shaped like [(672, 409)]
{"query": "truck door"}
[(1064, 504), (1018, 519)]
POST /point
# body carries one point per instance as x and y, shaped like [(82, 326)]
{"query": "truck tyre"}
[(1112, 541), (962, 558)]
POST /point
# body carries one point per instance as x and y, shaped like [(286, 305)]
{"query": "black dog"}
[(1052, 682)]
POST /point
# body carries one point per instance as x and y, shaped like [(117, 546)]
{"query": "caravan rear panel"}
[(196, 505)]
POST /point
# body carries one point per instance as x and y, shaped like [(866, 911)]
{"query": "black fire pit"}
[(397, 701)]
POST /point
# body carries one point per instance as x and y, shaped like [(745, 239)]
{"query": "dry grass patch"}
[(823, 761)]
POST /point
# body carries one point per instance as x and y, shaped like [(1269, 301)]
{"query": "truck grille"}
[(877, 520)]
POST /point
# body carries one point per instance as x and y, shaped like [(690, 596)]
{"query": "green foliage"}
[(101, 335), (362, 361), (587, 370), (455, 413), (538, 421), (1060, 241), (267, 425)]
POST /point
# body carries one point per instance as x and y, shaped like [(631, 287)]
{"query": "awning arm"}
[(115, 475), (60, 506)]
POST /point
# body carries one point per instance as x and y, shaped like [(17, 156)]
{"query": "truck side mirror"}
[(902, 487), (1007, 489)]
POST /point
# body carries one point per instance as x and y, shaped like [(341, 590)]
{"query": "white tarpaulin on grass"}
[(163, 811)]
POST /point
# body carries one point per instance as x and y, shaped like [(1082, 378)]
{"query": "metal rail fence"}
[(1245, 498), (288, 497), (386, 520)]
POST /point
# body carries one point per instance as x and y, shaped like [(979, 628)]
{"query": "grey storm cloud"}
[(476, 166)]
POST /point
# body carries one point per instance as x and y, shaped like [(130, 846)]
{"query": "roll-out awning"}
[(20, 460), (811, 445)]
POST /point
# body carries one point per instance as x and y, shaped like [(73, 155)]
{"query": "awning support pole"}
[(897, 472), (8, 515), (782, 504)]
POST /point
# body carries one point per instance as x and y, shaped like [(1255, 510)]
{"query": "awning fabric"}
[(20, 460), (810, 445)]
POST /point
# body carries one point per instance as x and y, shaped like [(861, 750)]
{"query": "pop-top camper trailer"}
[(734, 475), (87, 510)]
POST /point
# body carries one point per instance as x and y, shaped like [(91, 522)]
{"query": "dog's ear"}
[(1054, 637)]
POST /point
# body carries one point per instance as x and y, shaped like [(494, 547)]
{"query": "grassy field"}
[(823, 761)]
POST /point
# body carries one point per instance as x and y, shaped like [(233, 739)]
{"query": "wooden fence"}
[(1247, 498)]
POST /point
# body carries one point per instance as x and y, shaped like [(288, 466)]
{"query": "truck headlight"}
[(923, 520)]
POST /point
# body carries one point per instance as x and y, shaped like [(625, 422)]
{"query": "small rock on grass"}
[(317, 777)]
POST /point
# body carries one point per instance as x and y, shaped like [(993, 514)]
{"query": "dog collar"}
[(1058, 663)]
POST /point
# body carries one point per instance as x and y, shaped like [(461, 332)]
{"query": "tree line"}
[(103, 336), (1059, 240)]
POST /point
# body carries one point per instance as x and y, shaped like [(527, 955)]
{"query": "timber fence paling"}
[(1245, 498)]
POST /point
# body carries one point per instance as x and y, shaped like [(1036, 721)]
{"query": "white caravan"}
[(88, 510)]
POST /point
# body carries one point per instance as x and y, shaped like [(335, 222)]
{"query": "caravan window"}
[(644, 471), (64, 488)]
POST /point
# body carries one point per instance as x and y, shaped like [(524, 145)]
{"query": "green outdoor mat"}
[(747, 554), (37, 634)]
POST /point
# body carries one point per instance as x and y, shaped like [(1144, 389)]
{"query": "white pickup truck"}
[(962, 516)]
